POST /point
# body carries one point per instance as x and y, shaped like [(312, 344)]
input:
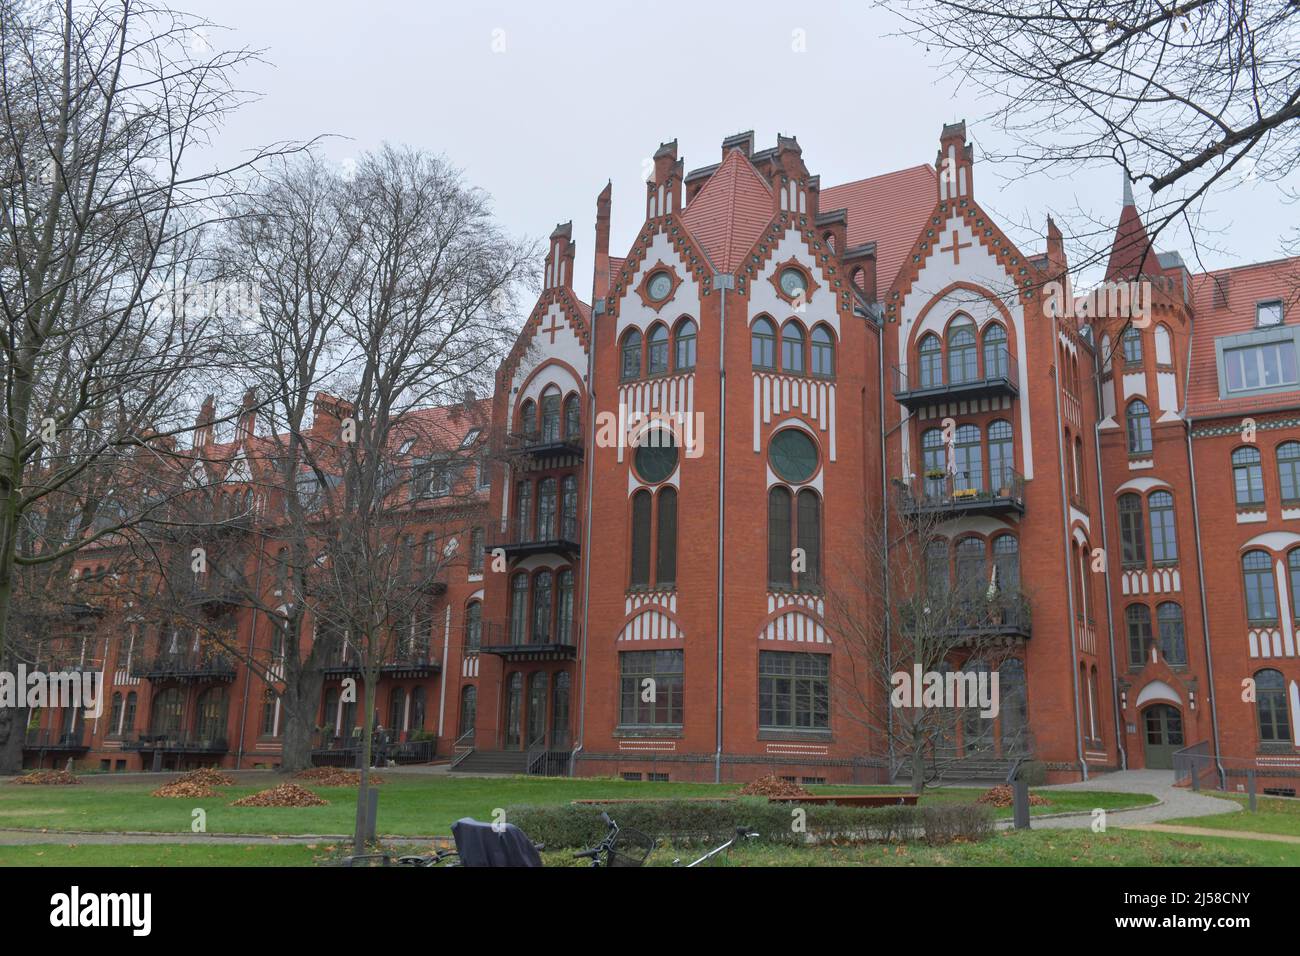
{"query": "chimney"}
[(600, 281), (246, 424), (203, 424), (954, 162), (1056, 264), (328, 412), (664, 187), (559, 257)]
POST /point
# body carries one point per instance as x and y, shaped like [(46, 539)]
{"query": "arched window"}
[(537, 708), (1138, 618), (468, 708), (1139, 427), (397, 710), (969, 565), (779, 535), (1248, 476), (1164, 539), (551, 414), (1015, 706), (684, 340), (640, 576), (561, 695), (210, 722), (963, 362), (1164, 346), (997, 360), (666, 543), (1078, 466), (930, 360), (1173, 646), (810, 538), (1002, 454), (1270, 707), (514, 710), (417, 710), (115, 714), (330, 715), (128, 719), (519, 608), (631, 349), (473, 627), (1293, 575), (524, 510), (936, 566), (564, 607), (569, 508), (763, 343), (528, 419), (657, 350), (1288, 470), (1132, 541), (1132, 346), (542, 608), (934, 462), (165, 714), (823, 352), (547, 504), (969, 458), (270, 725), (792, 348), (1006, 558), (572, 418), (1261, 594)]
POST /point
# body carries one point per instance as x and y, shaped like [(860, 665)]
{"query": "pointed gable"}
[(1131, 252), (889, 210), (730, 212)]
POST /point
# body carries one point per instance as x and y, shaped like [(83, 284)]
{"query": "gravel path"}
[(1175, 802)]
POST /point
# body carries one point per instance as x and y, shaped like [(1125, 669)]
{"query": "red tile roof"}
[(730, 212), (889, 210), (1246, 286), (1131, 248)]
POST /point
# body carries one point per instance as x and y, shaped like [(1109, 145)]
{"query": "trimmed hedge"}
[(692, 821)]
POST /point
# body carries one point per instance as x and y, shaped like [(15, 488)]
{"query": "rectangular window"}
[(650, 688), (793, 690), (476, 551), (1268, 313)]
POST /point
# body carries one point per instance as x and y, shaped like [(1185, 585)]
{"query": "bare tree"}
[(1185, 96), (918, 620)]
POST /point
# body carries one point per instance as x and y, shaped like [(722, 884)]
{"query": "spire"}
[(1128, 190)]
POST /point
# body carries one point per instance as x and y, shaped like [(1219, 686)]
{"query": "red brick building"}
[(816, 359)]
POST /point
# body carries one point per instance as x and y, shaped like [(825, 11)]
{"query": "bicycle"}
[(741, 832), (622, 846)]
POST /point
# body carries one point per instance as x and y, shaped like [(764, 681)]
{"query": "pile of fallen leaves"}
[(45, 778), (185, 788), (1003, 796), (206, 777), (773, 786), (285, 795), (335, 777)]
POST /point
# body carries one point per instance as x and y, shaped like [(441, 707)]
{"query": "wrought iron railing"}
[(945, 491), (919, 381)]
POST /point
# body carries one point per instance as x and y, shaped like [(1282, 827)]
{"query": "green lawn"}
[(1036, 848), (408, 805), (1273, 816)]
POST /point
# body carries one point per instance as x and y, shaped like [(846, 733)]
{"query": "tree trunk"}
[(918, 766), (301, 701), (367, 755), (13, 727)]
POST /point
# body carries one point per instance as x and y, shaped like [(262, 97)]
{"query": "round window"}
[(793, 283), (793, 455), (659, 286), (656, 457)]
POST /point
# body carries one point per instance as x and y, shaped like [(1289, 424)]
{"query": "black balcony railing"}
[(177, 742), (945, 493), (1002, 615), (537, 534), (418, 657), (925, 384), (546, 445), (48, 739), (521, 640), (402, 747), (204, 664)]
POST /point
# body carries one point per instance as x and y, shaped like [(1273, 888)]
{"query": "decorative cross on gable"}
[(955, 248), (555, 327)]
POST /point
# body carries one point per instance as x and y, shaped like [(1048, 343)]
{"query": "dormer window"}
[(470, 437), (406, 446), (1268, 313)]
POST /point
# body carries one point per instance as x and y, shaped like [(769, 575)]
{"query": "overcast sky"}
[(541, 103)]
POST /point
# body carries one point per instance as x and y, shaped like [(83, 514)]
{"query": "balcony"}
[(545, 446), (176, 742), (948, 494), (403, 747), (914, 388), (558, 535), (978, 618), (522, 643), (46, 740), (202, 665), (415, 661)]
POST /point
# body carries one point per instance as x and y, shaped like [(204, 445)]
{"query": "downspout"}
[(597, 309), (248, 670), (884, 540), (723, 283), (1205, 616), (1065, 543), (1105, 549)]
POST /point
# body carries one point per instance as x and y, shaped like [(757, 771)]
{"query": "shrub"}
[(693, 821)]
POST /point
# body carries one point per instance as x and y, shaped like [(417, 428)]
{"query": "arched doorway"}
[(1162, 725)]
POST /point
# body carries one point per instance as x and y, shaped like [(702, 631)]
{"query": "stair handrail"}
[(458, 758)]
